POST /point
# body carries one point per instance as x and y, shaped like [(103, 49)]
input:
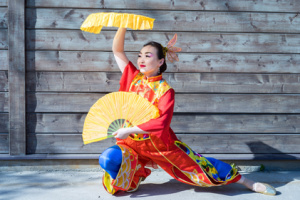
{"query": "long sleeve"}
[(128, 75), (166, 108)]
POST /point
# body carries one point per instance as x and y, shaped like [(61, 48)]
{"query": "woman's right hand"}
[(118, 49), (122, 133)]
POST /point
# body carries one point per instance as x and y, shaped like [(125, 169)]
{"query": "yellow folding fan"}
[(95, 21), (114, 111)]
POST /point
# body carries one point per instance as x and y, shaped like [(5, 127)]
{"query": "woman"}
[(154, 143)]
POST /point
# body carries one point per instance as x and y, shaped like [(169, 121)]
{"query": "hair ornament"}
[(165, 50), (171, 51)]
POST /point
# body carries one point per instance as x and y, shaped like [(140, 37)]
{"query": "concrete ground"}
[(79, 185)]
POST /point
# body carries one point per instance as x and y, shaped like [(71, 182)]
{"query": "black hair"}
[(160, 54)]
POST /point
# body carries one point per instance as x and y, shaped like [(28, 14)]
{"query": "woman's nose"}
[(141, 60)]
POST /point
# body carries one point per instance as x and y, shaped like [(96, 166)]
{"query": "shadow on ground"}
[(173, 187)]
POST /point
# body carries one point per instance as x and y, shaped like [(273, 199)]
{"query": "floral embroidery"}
[(205, 164), (152, 88)]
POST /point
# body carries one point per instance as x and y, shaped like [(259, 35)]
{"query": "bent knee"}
[(111, 158)]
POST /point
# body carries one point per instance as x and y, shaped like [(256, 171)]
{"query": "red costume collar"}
[(153, 78)]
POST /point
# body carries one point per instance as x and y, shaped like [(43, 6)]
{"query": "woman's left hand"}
[(122, 133)]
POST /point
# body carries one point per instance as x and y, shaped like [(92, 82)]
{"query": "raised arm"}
[(118, 49)]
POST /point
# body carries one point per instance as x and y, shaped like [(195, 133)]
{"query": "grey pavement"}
[(78, 185)]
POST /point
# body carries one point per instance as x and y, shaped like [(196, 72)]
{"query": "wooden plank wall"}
[(237, 82), (4, 95), (16, 77)]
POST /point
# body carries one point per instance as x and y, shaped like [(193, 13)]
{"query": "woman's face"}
[(148, 61)]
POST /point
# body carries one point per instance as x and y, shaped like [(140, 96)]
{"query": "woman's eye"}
[(139, 56)]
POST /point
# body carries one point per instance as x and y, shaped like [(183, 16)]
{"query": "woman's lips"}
[(142, 65)]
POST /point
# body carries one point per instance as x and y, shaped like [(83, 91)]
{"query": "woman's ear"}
[(161, 61)]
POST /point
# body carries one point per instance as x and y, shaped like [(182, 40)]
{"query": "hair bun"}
[(165, 50)]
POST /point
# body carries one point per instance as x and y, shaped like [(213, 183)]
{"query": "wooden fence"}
[(237, 83)]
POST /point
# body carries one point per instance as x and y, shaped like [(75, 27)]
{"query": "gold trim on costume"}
[(188, 174)]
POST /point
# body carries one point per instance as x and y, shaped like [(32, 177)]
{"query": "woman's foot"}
[(268, 189), (135, 186), (258, 187)]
